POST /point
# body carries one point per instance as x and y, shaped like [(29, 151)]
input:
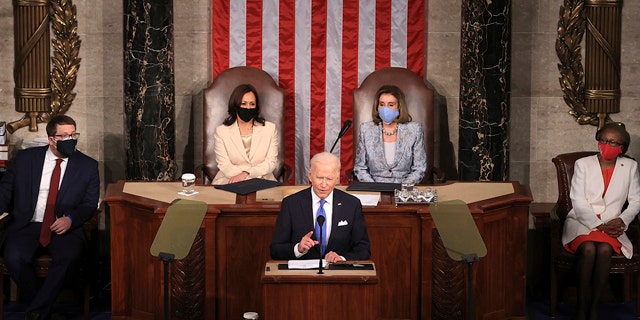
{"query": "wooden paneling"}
[(417, 280), (242, 249), (346, 301)]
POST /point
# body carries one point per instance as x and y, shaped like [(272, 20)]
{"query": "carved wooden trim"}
[(448, 283), (187, 283)]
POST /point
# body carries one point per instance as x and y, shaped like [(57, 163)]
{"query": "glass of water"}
[(188, 183)]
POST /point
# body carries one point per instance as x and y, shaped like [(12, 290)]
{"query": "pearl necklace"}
[(389, 133)]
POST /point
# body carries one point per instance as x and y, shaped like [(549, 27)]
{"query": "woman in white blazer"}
[(246, 145), (391, 147), (595, 228)]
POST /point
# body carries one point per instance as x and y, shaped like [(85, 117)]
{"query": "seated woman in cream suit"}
[(391, 147), (246, 145), (595, 227)]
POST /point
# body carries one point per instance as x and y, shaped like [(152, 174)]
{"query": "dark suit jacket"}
[(296, 219), (78, 195)]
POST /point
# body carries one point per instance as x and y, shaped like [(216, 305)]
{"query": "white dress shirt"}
[(328, 212), (45, 181)]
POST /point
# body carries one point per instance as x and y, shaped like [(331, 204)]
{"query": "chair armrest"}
[(434, 176), (633, 232), (285, 176), (202, 177), (4, 219), (349, 175), (92, 224), (556, 223)]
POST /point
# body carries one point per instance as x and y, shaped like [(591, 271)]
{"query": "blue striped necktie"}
[(323, 245)]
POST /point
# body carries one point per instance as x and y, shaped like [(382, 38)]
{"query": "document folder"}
[(373, 186), (248, 186)]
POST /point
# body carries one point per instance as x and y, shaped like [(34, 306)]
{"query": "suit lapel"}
[(257, 140), (378, 150), (336, 216), (306, 207), (618, 179), (69, 176), (598, 181), (236, 140), (36, 175), (399, 152)]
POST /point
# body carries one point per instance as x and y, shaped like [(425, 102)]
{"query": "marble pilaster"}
[(149, 89), (485, 90)]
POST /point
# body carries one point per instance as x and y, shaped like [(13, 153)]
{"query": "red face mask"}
[(608, 152)]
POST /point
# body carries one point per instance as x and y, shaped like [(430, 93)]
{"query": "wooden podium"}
[(341, 292), (222, 276)]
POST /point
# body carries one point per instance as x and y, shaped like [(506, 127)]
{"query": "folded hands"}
[(613, 228)]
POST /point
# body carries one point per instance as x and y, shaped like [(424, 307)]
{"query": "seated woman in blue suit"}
[(246, 145), (595, 228), (391, 147)]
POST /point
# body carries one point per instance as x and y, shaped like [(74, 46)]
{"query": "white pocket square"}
[(342, 223)]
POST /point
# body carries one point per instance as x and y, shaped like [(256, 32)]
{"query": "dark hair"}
[(620, 129), (404, 116), (52, 125), (235, 101)]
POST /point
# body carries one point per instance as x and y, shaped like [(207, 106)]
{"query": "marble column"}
[(149, 90), (485, 72)]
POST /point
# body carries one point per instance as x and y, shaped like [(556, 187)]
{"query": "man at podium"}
[(321, 221)]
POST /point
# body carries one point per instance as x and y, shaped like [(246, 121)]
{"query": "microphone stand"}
[(166, 258), (344, 129), (320, 220)]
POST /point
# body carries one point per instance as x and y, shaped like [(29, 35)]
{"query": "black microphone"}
[(320, 220), (345, 127)]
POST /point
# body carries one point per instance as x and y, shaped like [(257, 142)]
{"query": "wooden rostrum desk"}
[(340, 292), (221, 276)]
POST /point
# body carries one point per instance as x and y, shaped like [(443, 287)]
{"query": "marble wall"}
[(540, 124)]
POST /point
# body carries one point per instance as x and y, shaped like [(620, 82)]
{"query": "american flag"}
[(319, 51)]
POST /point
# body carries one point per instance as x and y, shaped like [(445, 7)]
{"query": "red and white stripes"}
[(318, 51)]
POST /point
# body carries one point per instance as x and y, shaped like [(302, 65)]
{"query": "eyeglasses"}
[(612, 143), (73, 136)]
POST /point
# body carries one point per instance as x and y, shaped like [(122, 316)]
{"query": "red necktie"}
[(49, 211)]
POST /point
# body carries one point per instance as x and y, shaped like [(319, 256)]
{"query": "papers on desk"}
[(188, 194), (306, 264), (37, 142), (368, 199)]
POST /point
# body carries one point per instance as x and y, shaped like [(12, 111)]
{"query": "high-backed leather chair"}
[(42, 263), (562, 262), (216, 101), (419, 99)]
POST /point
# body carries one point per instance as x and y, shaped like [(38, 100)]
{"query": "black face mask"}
[(66, 147), (247, 114)]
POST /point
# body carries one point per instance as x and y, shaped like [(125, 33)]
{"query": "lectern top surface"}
[(469, 192)]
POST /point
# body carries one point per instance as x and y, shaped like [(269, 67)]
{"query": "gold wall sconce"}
[(592, 92), (42, 92)]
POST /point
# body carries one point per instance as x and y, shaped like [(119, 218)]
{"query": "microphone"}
[(320, 220), (345, 127)]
